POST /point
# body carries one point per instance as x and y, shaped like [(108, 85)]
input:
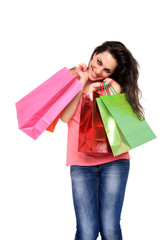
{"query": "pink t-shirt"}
[(84, 159)]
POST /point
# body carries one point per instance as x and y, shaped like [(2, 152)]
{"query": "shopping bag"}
[(52, 126), (54, 123), (92, 136), (124, 129), (38, 109)]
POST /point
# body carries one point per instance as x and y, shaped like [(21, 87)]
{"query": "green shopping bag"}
[(123, 128)]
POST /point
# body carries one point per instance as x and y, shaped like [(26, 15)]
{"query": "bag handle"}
[(107, 88), (100, 87), (111, 88), (74, 72), (103, 87)]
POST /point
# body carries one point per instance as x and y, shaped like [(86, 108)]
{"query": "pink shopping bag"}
[(38, 109)]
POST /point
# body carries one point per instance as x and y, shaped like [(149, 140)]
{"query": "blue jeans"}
[(98, 194)]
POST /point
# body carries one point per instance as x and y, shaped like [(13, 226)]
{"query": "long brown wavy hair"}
[(126, 73)]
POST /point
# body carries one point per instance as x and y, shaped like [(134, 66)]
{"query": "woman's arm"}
[(70, 109)]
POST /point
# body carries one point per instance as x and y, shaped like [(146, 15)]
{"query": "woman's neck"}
[(86, 86)]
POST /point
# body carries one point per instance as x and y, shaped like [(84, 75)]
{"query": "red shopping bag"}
[(92, 136), (38, 109)]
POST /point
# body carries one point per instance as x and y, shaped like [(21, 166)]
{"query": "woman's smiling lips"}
[(93, 74)]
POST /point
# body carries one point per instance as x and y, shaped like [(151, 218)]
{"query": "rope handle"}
[(75, 71), (100, 87), (107, 88), (111, 88)]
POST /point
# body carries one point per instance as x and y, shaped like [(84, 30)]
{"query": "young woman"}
[(99, 179)]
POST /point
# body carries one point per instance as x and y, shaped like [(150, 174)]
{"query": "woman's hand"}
[(108, 81), (82, 72), (95, 86)]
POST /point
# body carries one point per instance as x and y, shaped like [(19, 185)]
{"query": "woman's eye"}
[(99, 62), (107, 70)]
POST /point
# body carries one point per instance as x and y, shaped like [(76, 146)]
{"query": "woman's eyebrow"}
[(102, 63)]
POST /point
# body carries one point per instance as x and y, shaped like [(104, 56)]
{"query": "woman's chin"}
[(93, 79)]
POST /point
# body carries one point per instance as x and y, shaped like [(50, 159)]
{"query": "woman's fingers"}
[(82, 66), (81, 70), (94, 86), (108, 81)]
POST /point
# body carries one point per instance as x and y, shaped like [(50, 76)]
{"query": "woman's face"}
[(101, 66)]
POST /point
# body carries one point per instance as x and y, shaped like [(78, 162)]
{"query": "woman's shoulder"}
[(115, 85)]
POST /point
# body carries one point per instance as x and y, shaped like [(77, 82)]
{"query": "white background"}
[(38, 38)]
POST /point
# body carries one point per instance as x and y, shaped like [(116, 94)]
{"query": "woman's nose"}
[(98, 70)]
